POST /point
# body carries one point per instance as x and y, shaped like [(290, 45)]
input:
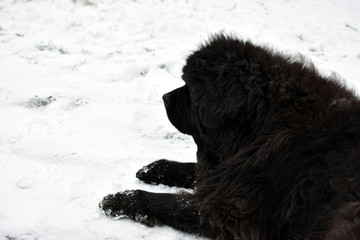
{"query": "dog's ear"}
[(210, 112), (214, 110)]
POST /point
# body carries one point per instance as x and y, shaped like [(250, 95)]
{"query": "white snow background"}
[(80, 96)]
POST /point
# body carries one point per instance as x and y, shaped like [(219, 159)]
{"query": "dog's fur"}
[(278, 150)]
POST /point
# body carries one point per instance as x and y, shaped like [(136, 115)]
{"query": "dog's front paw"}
[(132, 204), (156, 172), (169, 173)]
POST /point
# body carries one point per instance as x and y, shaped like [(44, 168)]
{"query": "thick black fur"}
[(278, 150)]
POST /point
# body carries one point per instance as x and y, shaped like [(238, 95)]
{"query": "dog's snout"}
[(166, 99)]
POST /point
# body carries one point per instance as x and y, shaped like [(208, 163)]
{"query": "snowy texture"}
[(80, 96)]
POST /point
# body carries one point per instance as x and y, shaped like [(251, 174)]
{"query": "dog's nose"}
[(166, 99)]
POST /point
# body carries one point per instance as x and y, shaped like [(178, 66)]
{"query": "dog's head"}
[(216, 93)]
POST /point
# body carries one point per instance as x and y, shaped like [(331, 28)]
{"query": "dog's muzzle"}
[(167, 99)]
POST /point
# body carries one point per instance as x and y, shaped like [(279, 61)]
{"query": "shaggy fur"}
[(278, 150)]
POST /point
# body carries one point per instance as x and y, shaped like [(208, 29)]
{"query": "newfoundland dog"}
[(278, 150)]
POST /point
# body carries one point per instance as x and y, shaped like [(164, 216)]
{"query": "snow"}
[(80, 96)]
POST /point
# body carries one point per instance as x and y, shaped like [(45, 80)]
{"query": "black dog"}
[(278, 150)]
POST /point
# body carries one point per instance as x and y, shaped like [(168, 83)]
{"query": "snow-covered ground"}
[(80, 96)]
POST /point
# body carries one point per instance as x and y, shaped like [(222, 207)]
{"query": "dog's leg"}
[(155, 209), (168, 172)]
